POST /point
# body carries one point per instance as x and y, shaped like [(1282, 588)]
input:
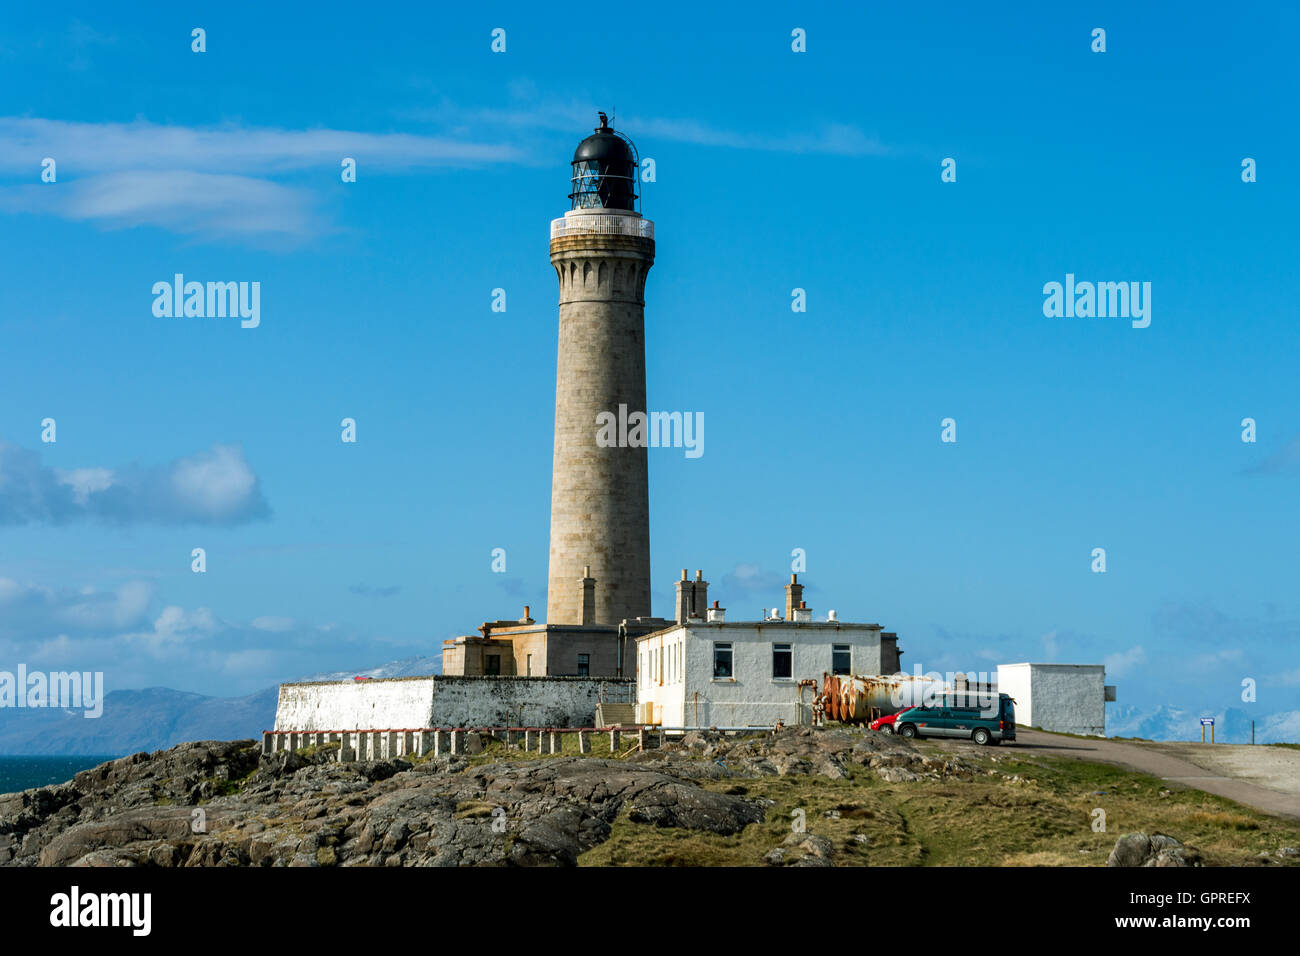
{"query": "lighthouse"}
[(602, 250)]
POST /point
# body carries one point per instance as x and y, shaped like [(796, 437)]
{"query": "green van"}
[(961, 717)]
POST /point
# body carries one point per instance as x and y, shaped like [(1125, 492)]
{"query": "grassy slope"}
[(1042, 819)]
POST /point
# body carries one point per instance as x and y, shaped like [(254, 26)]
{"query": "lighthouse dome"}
[(604, 171)]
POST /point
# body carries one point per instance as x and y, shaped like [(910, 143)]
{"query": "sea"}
[(23, 773)]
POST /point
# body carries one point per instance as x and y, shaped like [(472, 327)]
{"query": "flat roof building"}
[(706, 671), (1064, 698)]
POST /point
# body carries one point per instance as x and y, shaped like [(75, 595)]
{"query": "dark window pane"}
[(841, 659), (782, 661), (721, 661)]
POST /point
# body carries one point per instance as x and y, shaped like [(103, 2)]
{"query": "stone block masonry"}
[(600, 502)]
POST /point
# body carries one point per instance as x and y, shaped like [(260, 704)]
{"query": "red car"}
[(886, 724)]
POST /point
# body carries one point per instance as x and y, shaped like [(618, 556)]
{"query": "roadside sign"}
[(1207, 721)]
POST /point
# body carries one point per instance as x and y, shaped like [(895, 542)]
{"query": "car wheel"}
[(981, 737), (887, 729), (907, 730)]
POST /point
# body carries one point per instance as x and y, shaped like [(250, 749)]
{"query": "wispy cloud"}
[(92, 148), (366, 591), (213, 487), (217, 182), (227, 182), (207, 205), (120, 631), (42, 611), (1124, 663), (749, 580), (1285, 459), (812, 136)]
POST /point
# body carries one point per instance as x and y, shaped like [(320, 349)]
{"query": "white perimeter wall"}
[(356, 705), (401, 703), (1066, 698), (516, 701)]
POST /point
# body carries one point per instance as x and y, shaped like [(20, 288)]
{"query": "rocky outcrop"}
[(225, 804), (1158, 849), (214, 803), (801, 849)]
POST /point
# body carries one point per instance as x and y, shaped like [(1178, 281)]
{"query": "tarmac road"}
[(1278, 768)]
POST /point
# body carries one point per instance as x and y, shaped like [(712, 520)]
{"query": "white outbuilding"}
[(1065, 698)]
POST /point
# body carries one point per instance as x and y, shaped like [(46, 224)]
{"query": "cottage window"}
[(782, 662), (841, 659), (722, 661)]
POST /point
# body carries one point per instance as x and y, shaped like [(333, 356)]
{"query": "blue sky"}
[(775, 170)]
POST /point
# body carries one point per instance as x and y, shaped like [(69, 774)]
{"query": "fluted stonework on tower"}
[(600, 508)]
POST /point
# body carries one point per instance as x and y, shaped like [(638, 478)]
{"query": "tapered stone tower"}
[(600, 506)]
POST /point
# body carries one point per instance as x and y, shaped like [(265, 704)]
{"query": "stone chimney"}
[(793, 596), (587, 597), (685, 599), (700, 596), (801, 613), (717, 614)]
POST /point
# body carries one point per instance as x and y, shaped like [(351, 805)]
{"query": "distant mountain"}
[(1231, 725), (407, 667), (134, 720), (158, 717)]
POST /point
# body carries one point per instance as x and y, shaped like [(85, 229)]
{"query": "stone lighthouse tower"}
[(602, 249)]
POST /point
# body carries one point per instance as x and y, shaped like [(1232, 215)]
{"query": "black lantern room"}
[(604, 171)]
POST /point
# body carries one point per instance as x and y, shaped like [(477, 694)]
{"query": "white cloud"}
[(276, 625), (82, 149), (216, 182), (222, 182), (571, 116), (213, 487), (1123, 663), (38, 610), (214, 484)]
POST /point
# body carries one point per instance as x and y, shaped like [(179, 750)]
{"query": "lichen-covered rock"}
[(224, 804), (801, 849), (1158, 849)]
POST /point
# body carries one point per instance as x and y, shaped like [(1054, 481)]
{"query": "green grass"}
[(1045, 819)]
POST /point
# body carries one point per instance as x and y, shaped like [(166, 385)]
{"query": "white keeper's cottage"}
[(705, 671)]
